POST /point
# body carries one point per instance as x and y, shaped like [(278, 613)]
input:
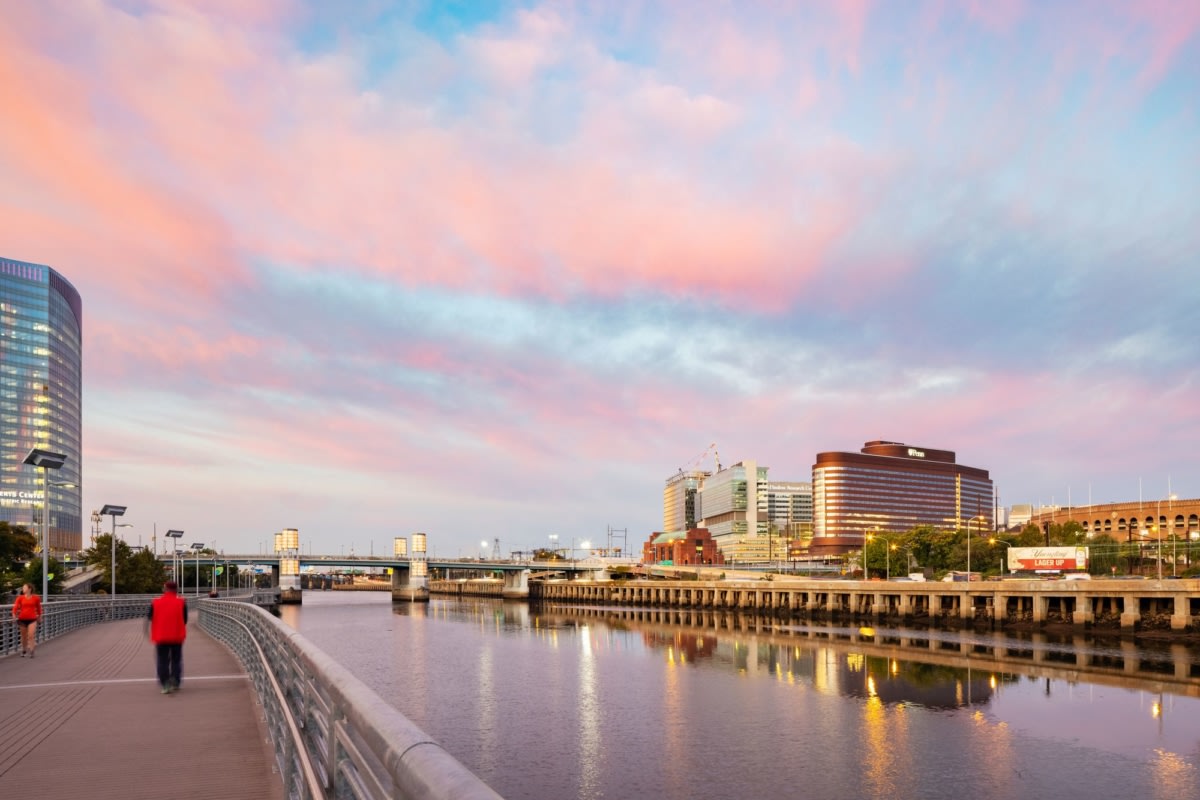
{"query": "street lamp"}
[(907, 554), (969, 521), (176, 535), (44, 460), (1004, 558), (114, 512), (61, 485), (553, 544), (482, 547), (1171, 527), (197, 547), (887, 550)]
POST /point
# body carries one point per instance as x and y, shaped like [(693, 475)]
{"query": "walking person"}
[(27, 611), (168, 628)]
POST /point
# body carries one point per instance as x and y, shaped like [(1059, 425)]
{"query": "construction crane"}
[(695, 462)]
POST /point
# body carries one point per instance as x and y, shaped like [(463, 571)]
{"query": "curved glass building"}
[(890, 487), (41, 393)]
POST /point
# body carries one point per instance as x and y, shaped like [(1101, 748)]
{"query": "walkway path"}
[(85, 720)]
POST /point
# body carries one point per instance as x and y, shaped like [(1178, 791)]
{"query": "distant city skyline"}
[(500, 269)]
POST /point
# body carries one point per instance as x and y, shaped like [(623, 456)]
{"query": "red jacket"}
[(27, 608), (168, 619)]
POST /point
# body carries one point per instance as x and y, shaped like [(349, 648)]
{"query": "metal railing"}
[(64, 616), (333, 736)]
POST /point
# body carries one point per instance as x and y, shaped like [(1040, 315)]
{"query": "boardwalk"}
[(85, 719)]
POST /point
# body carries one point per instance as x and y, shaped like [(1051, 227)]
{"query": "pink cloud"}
[(998, 15), (82, 203), (237, 134), (1171, 24)]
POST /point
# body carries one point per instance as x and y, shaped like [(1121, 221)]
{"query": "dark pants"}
[(170, 664)]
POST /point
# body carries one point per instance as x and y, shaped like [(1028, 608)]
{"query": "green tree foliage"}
[(1031, 536), (1104, 553), (17, 546), (937, 549), (1068, 534), (1000, 545), (134, 576), (144, 574), (33, 574)]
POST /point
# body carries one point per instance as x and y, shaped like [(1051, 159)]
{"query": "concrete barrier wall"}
[(1169, 604)]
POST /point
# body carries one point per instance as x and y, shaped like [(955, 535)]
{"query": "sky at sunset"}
[(497, 270)]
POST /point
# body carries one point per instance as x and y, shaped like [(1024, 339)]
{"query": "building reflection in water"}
[(594, 702), (931, 668)]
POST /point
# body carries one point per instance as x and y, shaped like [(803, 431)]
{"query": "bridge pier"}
[(288, 586), (1131, 614), (410, 587), (1180, 612), (516, 585)]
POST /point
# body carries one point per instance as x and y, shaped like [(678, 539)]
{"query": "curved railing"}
[(333, 736), (64, 616)]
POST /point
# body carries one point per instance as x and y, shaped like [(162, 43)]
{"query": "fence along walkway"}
[(86, 719)]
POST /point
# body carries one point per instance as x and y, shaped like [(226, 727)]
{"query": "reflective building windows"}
[(41, 388), (890, 486)]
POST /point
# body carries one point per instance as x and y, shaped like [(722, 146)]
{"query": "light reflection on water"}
[(554, 703)]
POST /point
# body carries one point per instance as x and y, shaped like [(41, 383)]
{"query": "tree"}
[(100, 555), (144, 573), (1031, 536), (1068, 534), (33, 575), (1103, 554), (936, 549), (17, 547)]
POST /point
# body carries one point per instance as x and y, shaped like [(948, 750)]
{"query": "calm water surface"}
[(558, 702)]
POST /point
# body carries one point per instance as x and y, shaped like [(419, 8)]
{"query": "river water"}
[(558, 702)]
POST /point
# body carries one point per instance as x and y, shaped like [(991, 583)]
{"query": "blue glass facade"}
[(41, 393)]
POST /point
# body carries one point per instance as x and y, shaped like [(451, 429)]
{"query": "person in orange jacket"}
[(27, 611), (168, 628)]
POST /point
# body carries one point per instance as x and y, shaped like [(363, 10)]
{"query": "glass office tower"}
[(41, 391)]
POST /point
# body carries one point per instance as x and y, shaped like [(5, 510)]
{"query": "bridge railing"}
[(61, 616), (333, 736)]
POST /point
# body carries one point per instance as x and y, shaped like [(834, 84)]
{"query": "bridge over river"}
[(409, 575)]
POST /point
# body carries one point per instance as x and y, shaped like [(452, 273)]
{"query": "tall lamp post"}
[(969, 521), (61, 485), (1171, 528), (44, 460), (176, 535), (197, 547), (1003, 559), (887, 546), (114, 512)]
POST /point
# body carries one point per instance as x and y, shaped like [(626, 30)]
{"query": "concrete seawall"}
[(1168, 605)]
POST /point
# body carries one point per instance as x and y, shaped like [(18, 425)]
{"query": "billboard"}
[(1047, 559)]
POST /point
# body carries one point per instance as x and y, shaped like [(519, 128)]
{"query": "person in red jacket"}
[(168, 628), (27, 610)]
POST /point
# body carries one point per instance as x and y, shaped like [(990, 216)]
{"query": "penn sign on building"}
[(41, 394)]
